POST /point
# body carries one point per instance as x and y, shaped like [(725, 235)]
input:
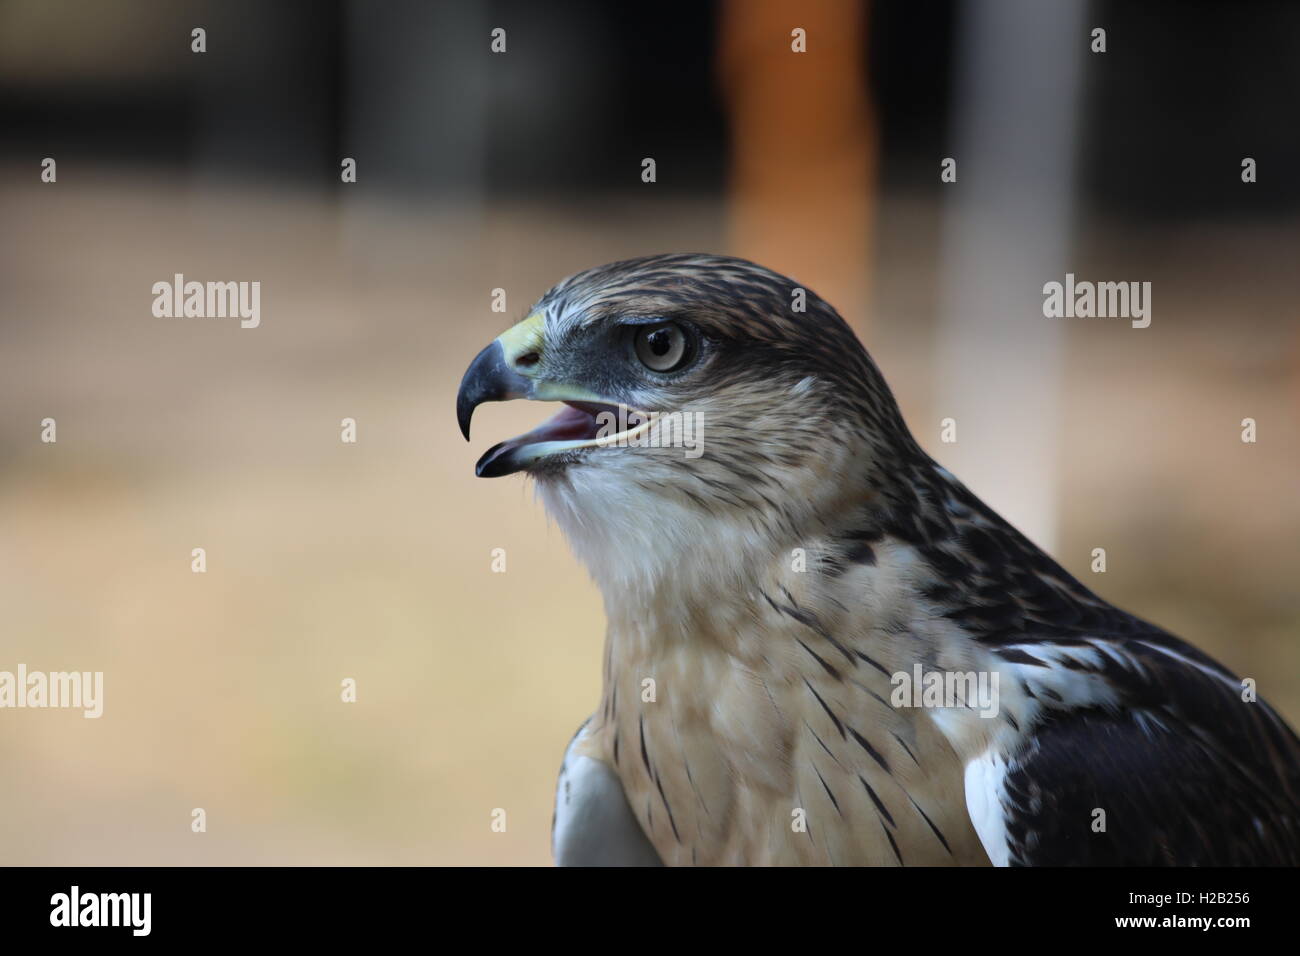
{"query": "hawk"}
[(771, 592)]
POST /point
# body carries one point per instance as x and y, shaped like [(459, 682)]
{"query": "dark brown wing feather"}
[(1188, 774)]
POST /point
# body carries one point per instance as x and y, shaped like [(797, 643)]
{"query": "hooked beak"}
[(489, 378), (511, 367)]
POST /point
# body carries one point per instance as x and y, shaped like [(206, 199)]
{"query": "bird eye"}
[(663, 348)]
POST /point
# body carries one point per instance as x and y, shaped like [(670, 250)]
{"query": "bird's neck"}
[(672, 571)]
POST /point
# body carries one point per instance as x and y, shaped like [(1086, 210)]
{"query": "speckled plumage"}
[(772, 681)]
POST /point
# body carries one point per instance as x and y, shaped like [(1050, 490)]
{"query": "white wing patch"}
[(985, 776), (594, 826)]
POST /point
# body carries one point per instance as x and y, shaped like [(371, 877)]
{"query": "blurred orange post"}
[(803, 164)]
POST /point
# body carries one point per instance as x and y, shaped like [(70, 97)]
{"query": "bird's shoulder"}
[(1120, 743), (1181, 765)]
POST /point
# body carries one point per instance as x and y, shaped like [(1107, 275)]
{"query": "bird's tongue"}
[(570, 423)]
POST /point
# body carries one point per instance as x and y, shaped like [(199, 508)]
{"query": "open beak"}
[(511, 367)]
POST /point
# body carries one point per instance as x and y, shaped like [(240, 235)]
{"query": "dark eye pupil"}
[(660, 341)]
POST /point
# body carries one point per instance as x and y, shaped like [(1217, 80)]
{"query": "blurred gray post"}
[(416, 104), (1006, 231)]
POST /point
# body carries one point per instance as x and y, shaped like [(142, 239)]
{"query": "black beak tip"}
[(496, 461), (464, 412)]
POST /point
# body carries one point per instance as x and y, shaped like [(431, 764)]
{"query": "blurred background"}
[(479, 170)]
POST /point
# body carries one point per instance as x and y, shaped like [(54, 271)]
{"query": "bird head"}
[(690, 385)]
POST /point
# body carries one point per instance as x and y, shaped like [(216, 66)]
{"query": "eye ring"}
[(662, 348)]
